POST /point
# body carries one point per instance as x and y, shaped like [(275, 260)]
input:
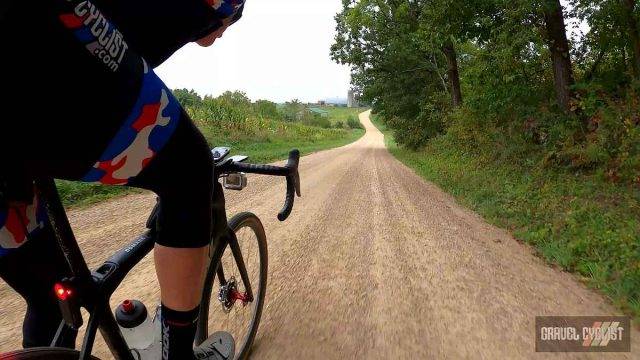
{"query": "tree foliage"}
[(187, 97), (538, 76)]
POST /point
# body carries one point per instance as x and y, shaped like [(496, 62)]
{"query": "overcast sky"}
[(278, 51)]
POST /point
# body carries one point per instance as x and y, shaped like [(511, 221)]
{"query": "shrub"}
[(267, 109), (354, 123), (187, 97), (316, 120)]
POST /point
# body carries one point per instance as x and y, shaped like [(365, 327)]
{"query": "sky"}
[(278, 51), (575, 28)]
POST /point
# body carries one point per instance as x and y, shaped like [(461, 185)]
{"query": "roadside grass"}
[(265, 140), (339, 113), (262, 140), (579, 223), (78, 194)]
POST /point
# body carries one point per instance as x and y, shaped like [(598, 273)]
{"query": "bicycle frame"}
[(93, 290)]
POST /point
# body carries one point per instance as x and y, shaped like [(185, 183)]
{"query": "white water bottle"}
[(153, 351), (135, 324)]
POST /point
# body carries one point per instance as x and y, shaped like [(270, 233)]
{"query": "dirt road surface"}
[(373, 263)]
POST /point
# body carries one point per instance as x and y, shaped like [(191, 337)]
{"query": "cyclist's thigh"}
[(182, 176)]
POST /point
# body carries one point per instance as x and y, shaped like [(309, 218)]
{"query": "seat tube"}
[(60, 223)]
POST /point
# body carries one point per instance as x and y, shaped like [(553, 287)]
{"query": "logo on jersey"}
[(147, 129), (153, 117), (100, 37)]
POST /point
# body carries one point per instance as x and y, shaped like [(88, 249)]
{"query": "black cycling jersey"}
[(81, 104), (98, 112), (94, 96)]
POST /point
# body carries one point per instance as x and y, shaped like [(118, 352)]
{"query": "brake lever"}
[(292, 164), (296, 182)]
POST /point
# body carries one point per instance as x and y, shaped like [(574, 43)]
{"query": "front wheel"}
[(43, 353), (228, 303)]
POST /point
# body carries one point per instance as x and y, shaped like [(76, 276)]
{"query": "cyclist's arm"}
[(158, 28)]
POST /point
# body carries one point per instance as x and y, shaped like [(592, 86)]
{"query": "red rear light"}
[(61, 292)]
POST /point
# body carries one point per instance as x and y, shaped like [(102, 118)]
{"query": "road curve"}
[(373, 263)]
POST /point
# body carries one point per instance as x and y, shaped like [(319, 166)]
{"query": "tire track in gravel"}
[(373, 263)]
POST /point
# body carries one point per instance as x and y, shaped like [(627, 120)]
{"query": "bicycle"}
[(93, 290)]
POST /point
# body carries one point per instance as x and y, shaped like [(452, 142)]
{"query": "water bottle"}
[(153, 351), (135, 324)]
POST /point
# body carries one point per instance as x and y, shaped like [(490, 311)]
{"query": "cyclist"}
[(89, 107)]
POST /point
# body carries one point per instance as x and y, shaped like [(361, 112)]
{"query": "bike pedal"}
[(219, 346)]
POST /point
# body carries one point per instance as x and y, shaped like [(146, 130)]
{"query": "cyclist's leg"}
[(90, 101), (182, 176), (34, 282), (34, 244), (55, 130)]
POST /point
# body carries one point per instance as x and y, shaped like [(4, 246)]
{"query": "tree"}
[(187, 97), (556, 36), (266, 109), (293, 110), (392, 64), (236, 98), (452, 73), (633, 32), (612, 45), (504, 61), (443, 24)]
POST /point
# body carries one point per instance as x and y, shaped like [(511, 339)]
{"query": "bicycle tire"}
[(43, 353), (237, 223)]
